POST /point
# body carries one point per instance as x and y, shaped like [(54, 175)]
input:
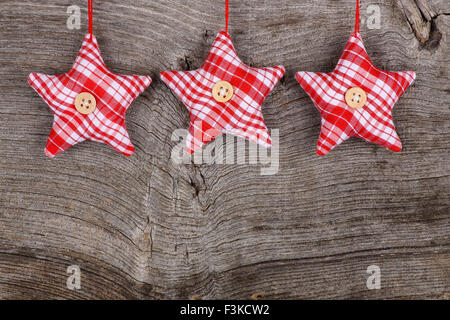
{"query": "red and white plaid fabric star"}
[(113, 95), (371, 122), (240, 116)]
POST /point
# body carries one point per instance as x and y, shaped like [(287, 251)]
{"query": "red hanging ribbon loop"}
[(90, 11), (357, 18), (226, 15)]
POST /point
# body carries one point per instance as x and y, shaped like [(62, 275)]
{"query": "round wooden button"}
[(85, 103), (222, 91), (356, 98)]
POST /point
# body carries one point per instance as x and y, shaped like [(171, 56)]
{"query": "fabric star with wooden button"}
[(89, 102), (356, 99), (224, 96)]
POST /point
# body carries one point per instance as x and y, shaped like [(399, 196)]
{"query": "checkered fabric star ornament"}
[(104, 100), (89, 102), (224, 96), (356, 98)]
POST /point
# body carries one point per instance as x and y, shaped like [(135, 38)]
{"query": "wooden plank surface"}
[(145, 227)]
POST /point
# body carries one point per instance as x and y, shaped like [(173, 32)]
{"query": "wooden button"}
[(222, 91), (85, 103), (355, 98)]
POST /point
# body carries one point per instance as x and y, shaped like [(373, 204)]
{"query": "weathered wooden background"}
[(145, 228)]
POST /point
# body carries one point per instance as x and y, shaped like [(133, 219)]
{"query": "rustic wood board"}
[(146, 228)]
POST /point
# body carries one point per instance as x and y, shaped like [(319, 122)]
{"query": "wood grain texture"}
[(146, 228)]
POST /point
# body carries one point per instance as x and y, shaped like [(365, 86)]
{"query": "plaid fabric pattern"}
[(240, 116), (113, 93), (372, 122)]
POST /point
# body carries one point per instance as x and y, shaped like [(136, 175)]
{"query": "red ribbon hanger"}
[(357, 18), (90, 10), (226, 14)]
